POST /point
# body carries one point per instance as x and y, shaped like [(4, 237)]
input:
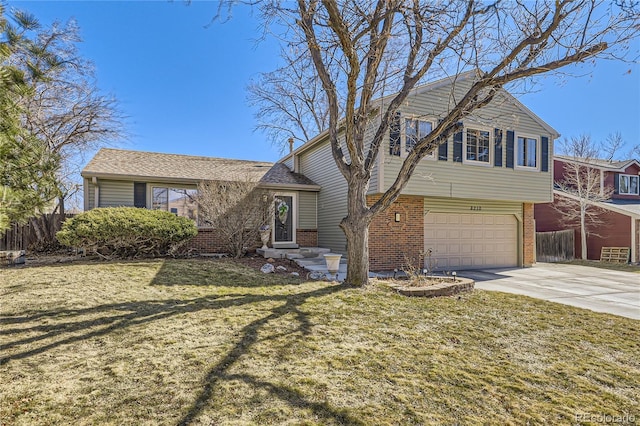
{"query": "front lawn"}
[(212, 342)]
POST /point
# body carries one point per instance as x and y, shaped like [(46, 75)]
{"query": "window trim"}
[(516, 151), (403, 134), (170, 187), (629, 177), (491, 146)]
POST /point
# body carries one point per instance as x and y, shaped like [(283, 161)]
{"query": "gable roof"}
[(118, 163), (626, 207), (429, 86), (614, 166)]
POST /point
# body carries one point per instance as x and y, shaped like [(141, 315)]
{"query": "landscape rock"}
[(281, 268), (315, 275), (295, 274), (267, 268)]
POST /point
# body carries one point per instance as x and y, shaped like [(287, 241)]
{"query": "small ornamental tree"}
[(583, 188), (236, 209), (127, 232)]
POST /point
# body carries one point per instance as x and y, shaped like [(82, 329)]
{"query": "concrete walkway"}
[(601, 290)]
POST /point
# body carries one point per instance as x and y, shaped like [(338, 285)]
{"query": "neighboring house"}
[(471, 202), (620, 214), (168, 182)]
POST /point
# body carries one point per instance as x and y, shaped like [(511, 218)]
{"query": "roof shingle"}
[(114, 163)]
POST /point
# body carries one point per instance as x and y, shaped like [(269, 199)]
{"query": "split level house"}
[(470, 204), (618, 213)]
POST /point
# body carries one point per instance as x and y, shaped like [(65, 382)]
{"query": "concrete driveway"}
[(601, 290)]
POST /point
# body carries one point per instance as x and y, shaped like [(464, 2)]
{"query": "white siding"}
[(460, 180), (318, 165)]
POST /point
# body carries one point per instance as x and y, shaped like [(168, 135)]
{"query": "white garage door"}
[(470, 241)]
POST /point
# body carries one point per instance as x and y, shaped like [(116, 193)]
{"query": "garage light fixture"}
[(397, 217)]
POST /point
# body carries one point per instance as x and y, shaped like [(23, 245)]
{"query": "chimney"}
[(290, 145)]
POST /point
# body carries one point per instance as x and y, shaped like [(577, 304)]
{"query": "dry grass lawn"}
[(169, 342)]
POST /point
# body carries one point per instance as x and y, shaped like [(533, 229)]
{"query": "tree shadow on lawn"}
[(77, 327), (220, 272), (249, 337)]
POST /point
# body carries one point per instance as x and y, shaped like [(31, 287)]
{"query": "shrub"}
[(127, 232)]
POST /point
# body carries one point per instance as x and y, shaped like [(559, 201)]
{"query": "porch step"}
[(286, 246), (293, 253)]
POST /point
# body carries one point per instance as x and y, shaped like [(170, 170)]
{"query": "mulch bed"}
[(252, 261), (256, 262)]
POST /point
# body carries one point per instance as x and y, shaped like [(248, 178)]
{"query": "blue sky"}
[(183, 86)]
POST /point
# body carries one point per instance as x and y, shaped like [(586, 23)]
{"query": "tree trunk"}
[(583, 234), (356, 228)]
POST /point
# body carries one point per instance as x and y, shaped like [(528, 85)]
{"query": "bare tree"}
[(63, 109), (237, 209), (290, 101), (582, 186), (365, 50)]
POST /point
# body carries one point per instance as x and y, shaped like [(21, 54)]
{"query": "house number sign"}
[(476, 208)]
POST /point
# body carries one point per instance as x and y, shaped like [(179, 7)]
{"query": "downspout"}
[(634, 241), (85, 195), (520, 220)]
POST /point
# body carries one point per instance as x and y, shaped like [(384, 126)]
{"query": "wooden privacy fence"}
[(21, 237), (555, 246)]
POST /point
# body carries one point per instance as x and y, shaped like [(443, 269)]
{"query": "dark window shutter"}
[(545, 153), (457, 147), (140, 194), (616, 183), (443, 151), (394, 135), (497, 141), (510, 153)]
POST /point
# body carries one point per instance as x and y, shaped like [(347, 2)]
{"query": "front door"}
[(284, 231)]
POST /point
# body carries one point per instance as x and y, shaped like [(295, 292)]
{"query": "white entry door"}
[(470, 241)]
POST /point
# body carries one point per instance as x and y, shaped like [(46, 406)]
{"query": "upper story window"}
[(414, 130), (628, 185), (179, 201), (527, 152), (478, 146)]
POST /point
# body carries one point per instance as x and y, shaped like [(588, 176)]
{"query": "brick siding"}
[(307, 237), (210, 240), (528, 235), (390, 242)]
